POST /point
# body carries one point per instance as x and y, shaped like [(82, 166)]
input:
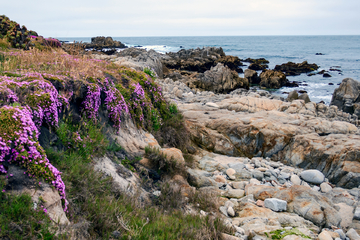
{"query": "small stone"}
[(316, 188), (234, 193), (324, 235), (203, 213), (236, 166), (239, 230), (341, 233), (295, 179), (239, 185), (277, 205), (179, 93), (352, 234), (231, 212), (223, 210), (262, 169), (313, 176), (211, 104), (229, 203), (254, 181), (116, 234), (357, 213), (325, 187), (260, 203), (231, 173), (157, 193), (220, 179)]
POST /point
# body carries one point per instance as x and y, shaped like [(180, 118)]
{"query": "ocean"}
[(338, 52)]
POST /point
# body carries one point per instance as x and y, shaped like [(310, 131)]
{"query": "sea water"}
[(339, 52)]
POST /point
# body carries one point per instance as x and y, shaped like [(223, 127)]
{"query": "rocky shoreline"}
[(276, 163)]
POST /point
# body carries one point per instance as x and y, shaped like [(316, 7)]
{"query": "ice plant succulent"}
[(19, 145), (92, 101)]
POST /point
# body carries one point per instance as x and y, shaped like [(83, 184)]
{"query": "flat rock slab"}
[(275, 204), (313, 176)]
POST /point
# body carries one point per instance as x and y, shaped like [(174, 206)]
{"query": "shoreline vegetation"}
[(78, 101), (140, 145)]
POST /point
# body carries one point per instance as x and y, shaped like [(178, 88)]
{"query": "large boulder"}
[(272, 79), (293, 69), (141, 59), (220, 79), (346, 96), (252, 76)]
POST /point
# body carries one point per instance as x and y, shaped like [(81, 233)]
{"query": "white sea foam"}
[(157, 48)]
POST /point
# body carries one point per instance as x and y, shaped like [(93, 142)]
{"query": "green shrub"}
[(163, 164), (19, 220)]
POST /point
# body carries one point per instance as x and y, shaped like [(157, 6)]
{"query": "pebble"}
[(231, 212), (295, 179), (231, 173), (325, 187)]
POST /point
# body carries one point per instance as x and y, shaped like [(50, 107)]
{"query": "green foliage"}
[(150, 72), (114, 147), (281, 233), (94, 198), (163, 164), (84, 137), (18, 219), (173, 132)]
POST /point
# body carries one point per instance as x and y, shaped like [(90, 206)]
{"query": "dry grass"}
[(56, 62)]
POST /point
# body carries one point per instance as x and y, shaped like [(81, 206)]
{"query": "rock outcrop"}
[(219, 79), (99, 43), (200, 60), (346, 96), (42, 194), (272, 79), (293, 69)]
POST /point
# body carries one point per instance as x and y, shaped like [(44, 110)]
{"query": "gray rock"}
[(258, 175), (223, 210), (352, 234), (275, 204), (234, 193), (243, 175), (199, 178), (357, 213), (341, 233), (313, 176), (237, 166)]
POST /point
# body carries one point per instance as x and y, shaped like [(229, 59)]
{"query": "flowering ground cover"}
[(70, 96), (36, 86)]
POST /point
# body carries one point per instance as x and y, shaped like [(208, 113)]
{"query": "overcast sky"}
[(116, 18)]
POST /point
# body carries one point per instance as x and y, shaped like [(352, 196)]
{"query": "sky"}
[(136, 18)]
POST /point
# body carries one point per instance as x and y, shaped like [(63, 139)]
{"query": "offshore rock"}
[(200, 60), (272, 79), (98, 43), (293, 69)]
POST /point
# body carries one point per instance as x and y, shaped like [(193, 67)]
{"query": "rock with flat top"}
[(275, 204)]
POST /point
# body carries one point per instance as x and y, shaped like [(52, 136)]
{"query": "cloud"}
[(185, 18)]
